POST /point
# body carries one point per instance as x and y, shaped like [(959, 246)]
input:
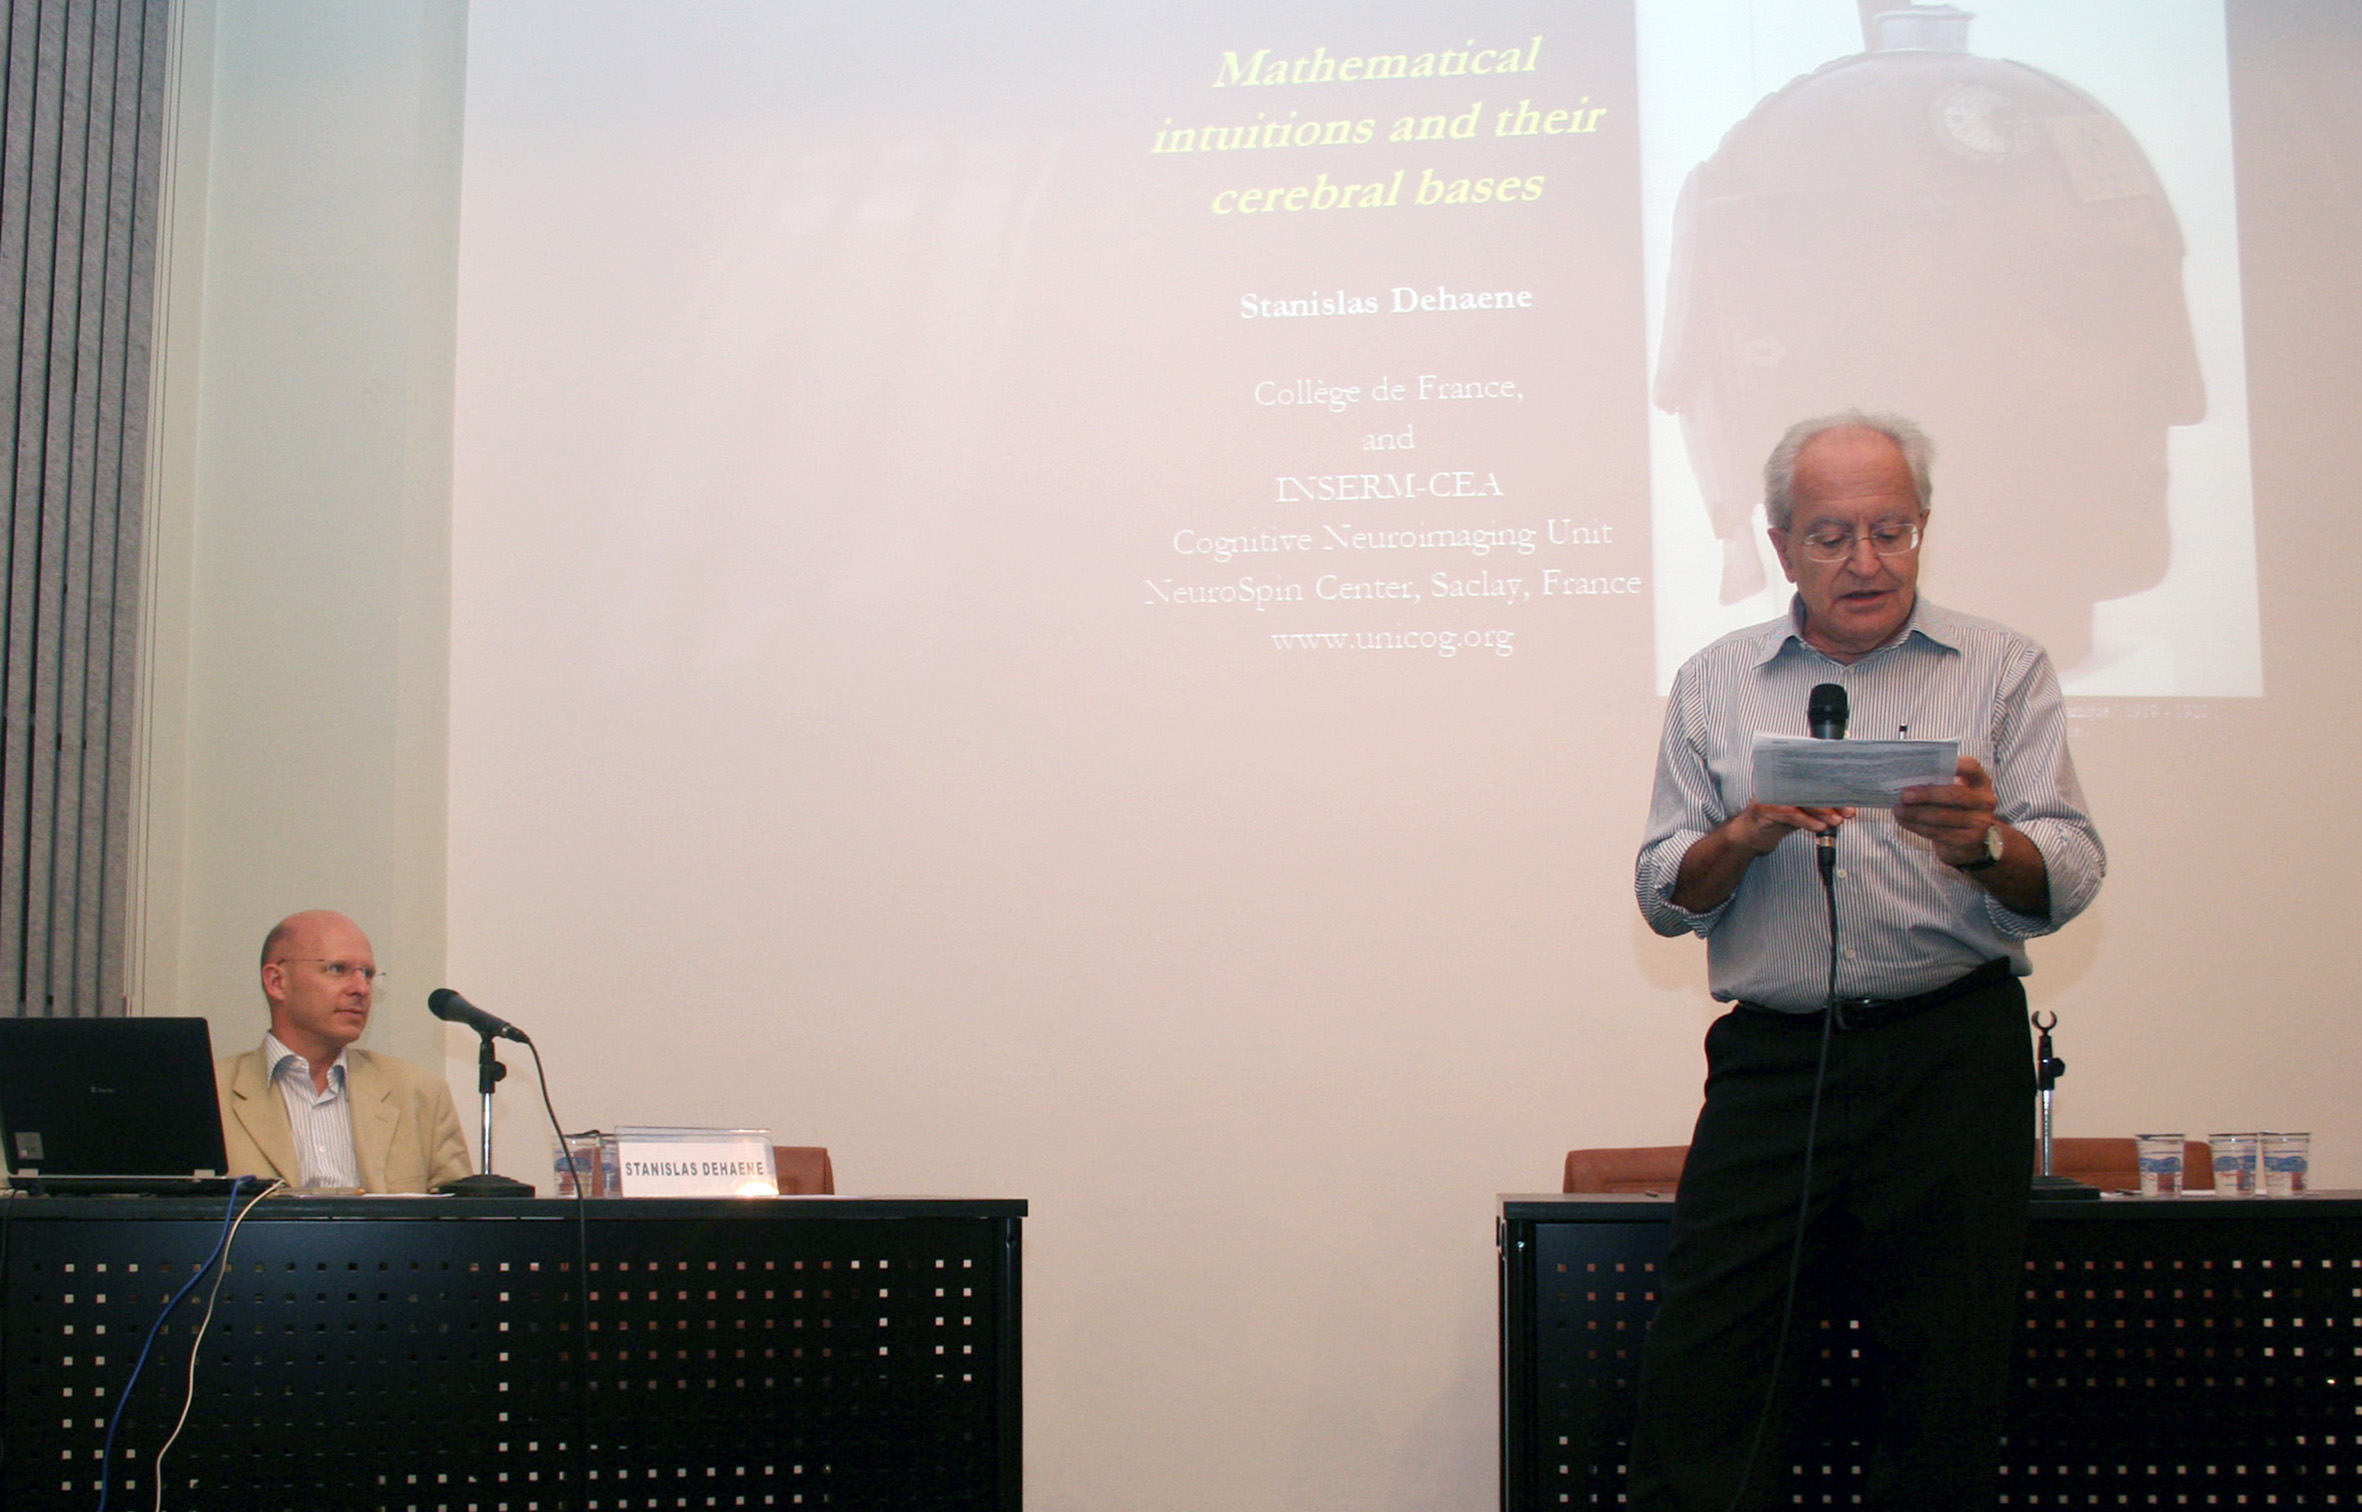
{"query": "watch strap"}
[(1992, 851)]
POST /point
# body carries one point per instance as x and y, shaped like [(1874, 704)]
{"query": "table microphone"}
[(450, 1007)]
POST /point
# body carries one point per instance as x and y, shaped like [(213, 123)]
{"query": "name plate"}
[(671, 1162)]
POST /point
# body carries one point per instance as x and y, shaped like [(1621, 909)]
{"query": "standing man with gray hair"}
[(1875, 1088)]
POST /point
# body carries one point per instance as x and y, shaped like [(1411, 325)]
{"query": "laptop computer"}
[(122, 1105)]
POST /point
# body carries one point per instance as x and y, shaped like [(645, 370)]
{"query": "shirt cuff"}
[(1660, 869), (2072, 868)]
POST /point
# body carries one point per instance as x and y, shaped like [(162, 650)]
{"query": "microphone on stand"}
[(451, 1008), (1825, 713)]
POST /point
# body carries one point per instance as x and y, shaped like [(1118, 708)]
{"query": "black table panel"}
[(431, 1354), (2180, 1353)]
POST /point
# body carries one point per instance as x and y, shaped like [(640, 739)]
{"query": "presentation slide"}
[(1326, 347)]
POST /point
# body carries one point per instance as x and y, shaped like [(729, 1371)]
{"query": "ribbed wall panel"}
[(79, 179)]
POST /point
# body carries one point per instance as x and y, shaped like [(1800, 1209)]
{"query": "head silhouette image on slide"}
[(1967, 240)]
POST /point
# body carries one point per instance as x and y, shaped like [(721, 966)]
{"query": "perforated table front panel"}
[(2185, 1353), (429, 1354)]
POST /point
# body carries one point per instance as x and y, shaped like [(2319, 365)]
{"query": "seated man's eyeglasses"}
[(1834, 545), (336, 971)]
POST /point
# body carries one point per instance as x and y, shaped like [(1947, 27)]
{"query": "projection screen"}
[(1071, 600)]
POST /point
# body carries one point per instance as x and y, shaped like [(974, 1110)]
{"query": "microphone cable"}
[(582, 1377), (450, 1007), (1827, 858)]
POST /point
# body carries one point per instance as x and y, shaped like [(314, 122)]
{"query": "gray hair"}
[(1779, 472)]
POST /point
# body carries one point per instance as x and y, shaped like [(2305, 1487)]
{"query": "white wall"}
[(300, 502)]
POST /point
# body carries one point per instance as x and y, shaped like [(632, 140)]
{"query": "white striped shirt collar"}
[(276, 1056), (1935, 625)]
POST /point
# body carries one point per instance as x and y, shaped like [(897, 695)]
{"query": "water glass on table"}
[(589, 1161), (2236, 1157), (2287, 1164), (2161, 1164)]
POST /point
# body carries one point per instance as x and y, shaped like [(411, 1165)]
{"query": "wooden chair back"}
[(1634, 1168), (804, 1171), (2112, 1165)]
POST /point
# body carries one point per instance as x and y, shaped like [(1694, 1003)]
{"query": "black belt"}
[(1855, 1014)]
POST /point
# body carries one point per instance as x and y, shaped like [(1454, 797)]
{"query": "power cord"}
[(229, 1222), (1812, 1129), (10, 1196), (197, 1343)]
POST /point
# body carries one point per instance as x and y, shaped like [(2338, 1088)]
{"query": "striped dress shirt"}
[(322, 1122), (1907, 922)]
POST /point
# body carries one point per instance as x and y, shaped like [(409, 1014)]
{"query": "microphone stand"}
[(2048, 1068), (489, 1071)]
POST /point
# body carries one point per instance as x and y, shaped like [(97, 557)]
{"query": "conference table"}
[(504, 1355), (2177, 1352)]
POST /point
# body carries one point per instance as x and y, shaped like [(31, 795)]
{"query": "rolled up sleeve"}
[(2038, 793), (1685, 807)]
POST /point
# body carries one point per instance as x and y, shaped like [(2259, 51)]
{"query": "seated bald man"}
[(310, 1108)]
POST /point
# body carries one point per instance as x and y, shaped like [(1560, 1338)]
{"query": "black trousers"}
[(1918, 1220)]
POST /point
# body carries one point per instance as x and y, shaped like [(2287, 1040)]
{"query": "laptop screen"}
[(109, 1097)]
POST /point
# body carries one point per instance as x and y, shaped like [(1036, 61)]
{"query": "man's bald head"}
[(318, 974), (278, 944)]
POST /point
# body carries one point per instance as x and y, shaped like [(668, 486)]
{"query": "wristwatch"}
[(1992, 855)]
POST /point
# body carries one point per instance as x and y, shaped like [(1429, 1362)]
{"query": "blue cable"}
[(106, 1472)]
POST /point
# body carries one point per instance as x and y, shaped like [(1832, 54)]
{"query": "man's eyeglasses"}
[(337, 971), (1834, 545)]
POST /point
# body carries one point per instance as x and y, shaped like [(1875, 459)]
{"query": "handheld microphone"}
[(450, 1007), (1825, 712)]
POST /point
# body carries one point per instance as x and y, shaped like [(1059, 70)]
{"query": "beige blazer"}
[(405, 1129)]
